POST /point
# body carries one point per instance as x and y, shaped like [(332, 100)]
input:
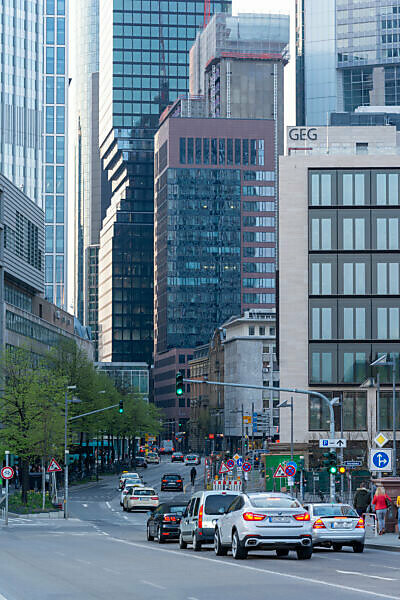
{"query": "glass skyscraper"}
[(348, 55), (55, 150), (21, 93), (144, 54)]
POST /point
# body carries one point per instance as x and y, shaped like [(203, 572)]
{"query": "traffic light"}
[(342, 470), (121, 406), (330, 462), (179, 383)]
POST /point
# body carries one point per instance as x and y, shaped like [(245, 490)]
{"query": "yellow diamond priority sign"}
[(381, 440)]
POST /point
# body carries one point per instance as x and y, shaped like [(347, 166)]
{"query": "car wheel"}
[(304, 553), (196, 543), (218, 547), (239, 552), (150, 537), (281, 552), (159, 536), (337, 547), (358, 547), (182, 543)]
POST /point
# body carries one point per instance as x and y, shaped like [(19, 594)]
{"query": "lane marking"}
[(2, 597), (365, 575), (235, 565), (85, 505), (108, 504), (192, 598), (125, 517), (384, 567), (155, 585)]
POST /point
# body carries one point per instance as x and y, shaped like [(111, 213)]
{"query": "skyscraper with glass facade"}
[(21, 93), (144, 67), (348, 55), (55, 150)]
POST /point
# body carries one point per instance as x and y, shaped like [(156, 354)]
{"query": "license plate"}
[(341, 525), (279, 519)]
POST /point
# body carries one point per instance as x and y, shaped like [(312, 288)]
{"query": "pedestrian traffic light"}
[(342, 470), (121, 406), (179, 383)]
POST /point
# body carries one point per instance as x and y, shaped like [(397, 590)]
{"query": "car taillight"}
[(302, 517), (361, 523), (249, 516), (200, 523), (164, 481), (134, 498), (168, 518), (154, 497), (179, 481), (319, 524)]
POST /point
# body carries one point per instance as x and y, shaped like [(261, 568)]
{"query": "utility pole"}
[(7, 453), (341, 449), (242, 445), (394, 411)]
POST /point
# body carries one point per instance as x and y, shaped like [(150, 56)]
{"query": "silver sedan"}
[(336, 525)]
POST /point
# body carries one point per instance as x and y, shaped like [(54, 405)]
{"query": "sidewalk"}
[(388, 541)]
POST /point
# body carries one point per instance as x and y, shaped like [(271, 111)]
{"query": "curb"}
[(383, 547), (50, 515)]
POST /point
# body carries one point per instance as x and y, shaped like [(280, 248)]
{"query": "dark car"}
[(177, 457), (172, 481), (164, 522), (140, 462)]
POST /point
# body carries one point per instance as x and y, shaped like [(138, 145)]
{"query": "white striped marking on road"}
[(347, 588), (2, 597), (108, 504), (84, 505), (192, 598), (365, 575), (159, 587)]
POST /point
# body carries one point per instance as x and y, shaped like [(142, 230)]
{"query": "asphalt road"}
[(102, 552)]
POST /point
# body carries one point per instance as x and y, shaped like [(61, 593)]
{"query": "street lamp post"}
[(66, 451), (383, 361)]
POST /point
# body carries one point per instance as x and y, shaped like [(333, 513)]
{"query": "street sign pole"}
[(66, 484), (7, 453)]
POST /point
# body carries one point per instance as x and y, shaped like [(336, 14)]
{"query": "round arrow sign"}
[(7, 472)]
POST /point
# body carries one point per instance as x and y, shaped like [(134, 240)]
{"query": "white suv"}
[(264, 521)]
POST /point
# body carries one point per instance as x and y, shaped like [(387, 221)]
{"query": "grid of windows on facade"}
[(202, 241), (18, 298), (354, 271), (129, 379), (55, 149), (31, 329), (222, 151), (23, 240), (152, 39)]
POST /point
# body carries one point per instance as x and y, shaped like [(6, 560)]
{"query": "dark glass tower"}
[(144, 55)]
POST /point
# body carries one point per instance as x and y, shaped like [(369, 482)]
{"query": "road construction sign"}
[(223, 469), (280, 472), (53, 466)]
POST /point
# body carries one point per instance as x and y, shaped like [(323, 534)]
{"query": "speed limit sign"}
[(7, 472)]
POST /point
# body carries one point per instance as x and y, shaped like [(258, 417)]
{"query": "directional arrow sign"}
[(380, 460), (333, 443)]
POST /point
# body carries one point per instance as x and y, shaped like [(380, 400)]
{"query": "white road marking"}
[(108, 504), (192, 598), (2, 597), (84, 505), (258, 570), (384, 567), (125, 517), (365, 575), (155, 585)]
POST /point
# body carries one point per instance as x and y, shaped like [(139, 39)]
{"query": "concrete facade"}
[(333, 150)]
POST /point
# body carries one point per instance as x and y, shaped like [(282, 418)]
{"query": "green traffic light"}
[(179, 391), (121, 406), (333, 470), (179, 384)]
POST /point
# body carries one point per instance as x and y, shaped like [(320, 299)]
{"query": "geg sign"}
[(303, 134)]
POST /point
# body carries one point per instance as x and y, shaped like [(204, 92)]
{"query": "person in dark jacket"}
[(362, 499), (193, 474)]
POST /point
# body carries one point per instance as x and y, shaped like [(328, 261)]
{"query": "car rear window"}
[(171, 477), (175, 509), (334, 510), (274, 502), (145, 493), (214, 503)]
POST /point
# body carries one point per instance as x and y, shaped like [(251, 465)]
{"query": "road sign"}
[(239, 461), (230, 463), (291, 462), (380, 460), (7, 472), (246, 466), (53, 466), (280, 472), (235, 457), (290, 471), (352, 464), (381, 440), (223, 468), (290, 481), (333, 443), (247, 419)]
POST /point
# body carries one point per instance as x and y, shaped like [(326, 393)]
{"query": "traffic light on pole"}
[(342, 470), (121, 406), (179, 383), (332, 463)]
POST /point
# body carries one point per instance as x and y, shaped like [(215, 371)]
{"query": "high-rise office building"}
[(144, 49), (90, 186), (56, 150), (21, 92), (348, 55)]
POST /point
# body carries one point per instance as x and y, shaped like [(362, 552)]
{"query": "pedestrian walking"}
[(362, 499), (398, 515), (381, 503), (193, 474)]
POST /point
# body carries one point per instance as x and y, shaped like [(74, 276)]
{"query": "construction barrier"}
[(234, 485)]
